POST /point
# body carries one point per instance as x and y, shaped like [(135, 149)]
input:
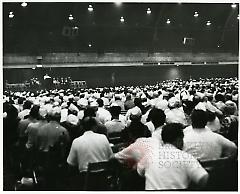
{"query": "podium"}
[(48, 82)]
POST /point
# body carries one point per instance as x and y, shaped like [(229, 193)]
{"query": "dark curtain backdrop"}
[(102, 76)]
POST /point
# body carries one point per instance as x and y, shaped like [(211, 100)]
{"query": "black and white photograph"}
[(120, 96)]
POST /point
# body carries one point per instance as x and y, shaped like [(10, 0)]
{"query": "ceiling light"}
[(70, 17), (39, 66), (89, 45), (122, 19), (24, 4), (168, 21), (118, 3), (149, 11), (233, 5), (218, 46), (90, 8), (208, 23), (75, 27), (196, 14), (11, 15)]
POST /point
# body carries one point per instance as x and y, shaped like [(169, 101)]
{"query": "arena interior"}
[(111, 96)]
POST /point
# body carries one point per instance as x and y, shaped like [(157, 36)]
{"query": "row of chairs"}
[(110, 176)]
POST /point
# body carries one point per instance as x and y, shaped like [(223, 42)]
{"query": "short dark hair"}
[(211, 116), (27, 104), (199, 118), (100, 102), (172, 132), (89, 123), (115, 110), (34, 112), (157, 116), (89, 112), (219, 97)]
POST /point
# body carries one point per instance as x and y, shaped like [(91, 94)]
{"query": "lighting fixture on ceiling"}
[(149, 11), (196, 14), (233, 5), (70, 17), (208, 23), (24, 4), (11, 15), (122, 19), (168, 21), (90, 8)]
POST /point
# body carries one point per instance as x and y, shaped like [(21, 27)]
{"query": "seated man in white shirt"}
[(169, 168), (91, 147), (204, 144), (102, 114), (175, 113)]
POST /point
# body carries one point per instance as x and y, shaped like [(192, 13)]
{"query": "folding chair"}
[(115, 138), (101, 176)]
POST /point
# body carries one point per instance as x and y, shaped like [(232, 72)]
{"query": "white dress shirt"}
[(169, 168), (204, 144), (89, 148)]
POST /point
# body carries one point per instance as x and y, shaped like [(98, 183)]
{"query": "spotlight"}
[(196, 14), (149, 11), (233, 5), (168, 21), (208, 23), (70, 17), (11, 15), (122, 19), (89, 45), (90, 8), (118, 3), (24, 4)]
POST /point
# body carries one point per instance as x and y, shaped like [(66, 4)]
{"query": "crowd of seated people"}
[(161, 132), (62, 82)]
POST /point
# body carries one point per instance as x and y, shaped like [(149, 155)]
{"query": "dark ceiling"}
[(45, 27)]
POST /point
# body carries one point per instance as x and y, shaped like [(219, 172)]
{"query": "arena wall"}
[(125, 75)]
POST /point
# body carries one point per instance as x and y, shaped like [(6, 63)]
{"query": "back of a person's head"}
[(219, 97), (34, 112), (137, 130), (229, 110), (89, 124), (100, 102), (54, 114), (115, 110), (157, 116), (20, 100), (171, 132), (210, 116), (27, 104), (199, 118), (135, 114), (89, 112), (12, 112), (138, 102)]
